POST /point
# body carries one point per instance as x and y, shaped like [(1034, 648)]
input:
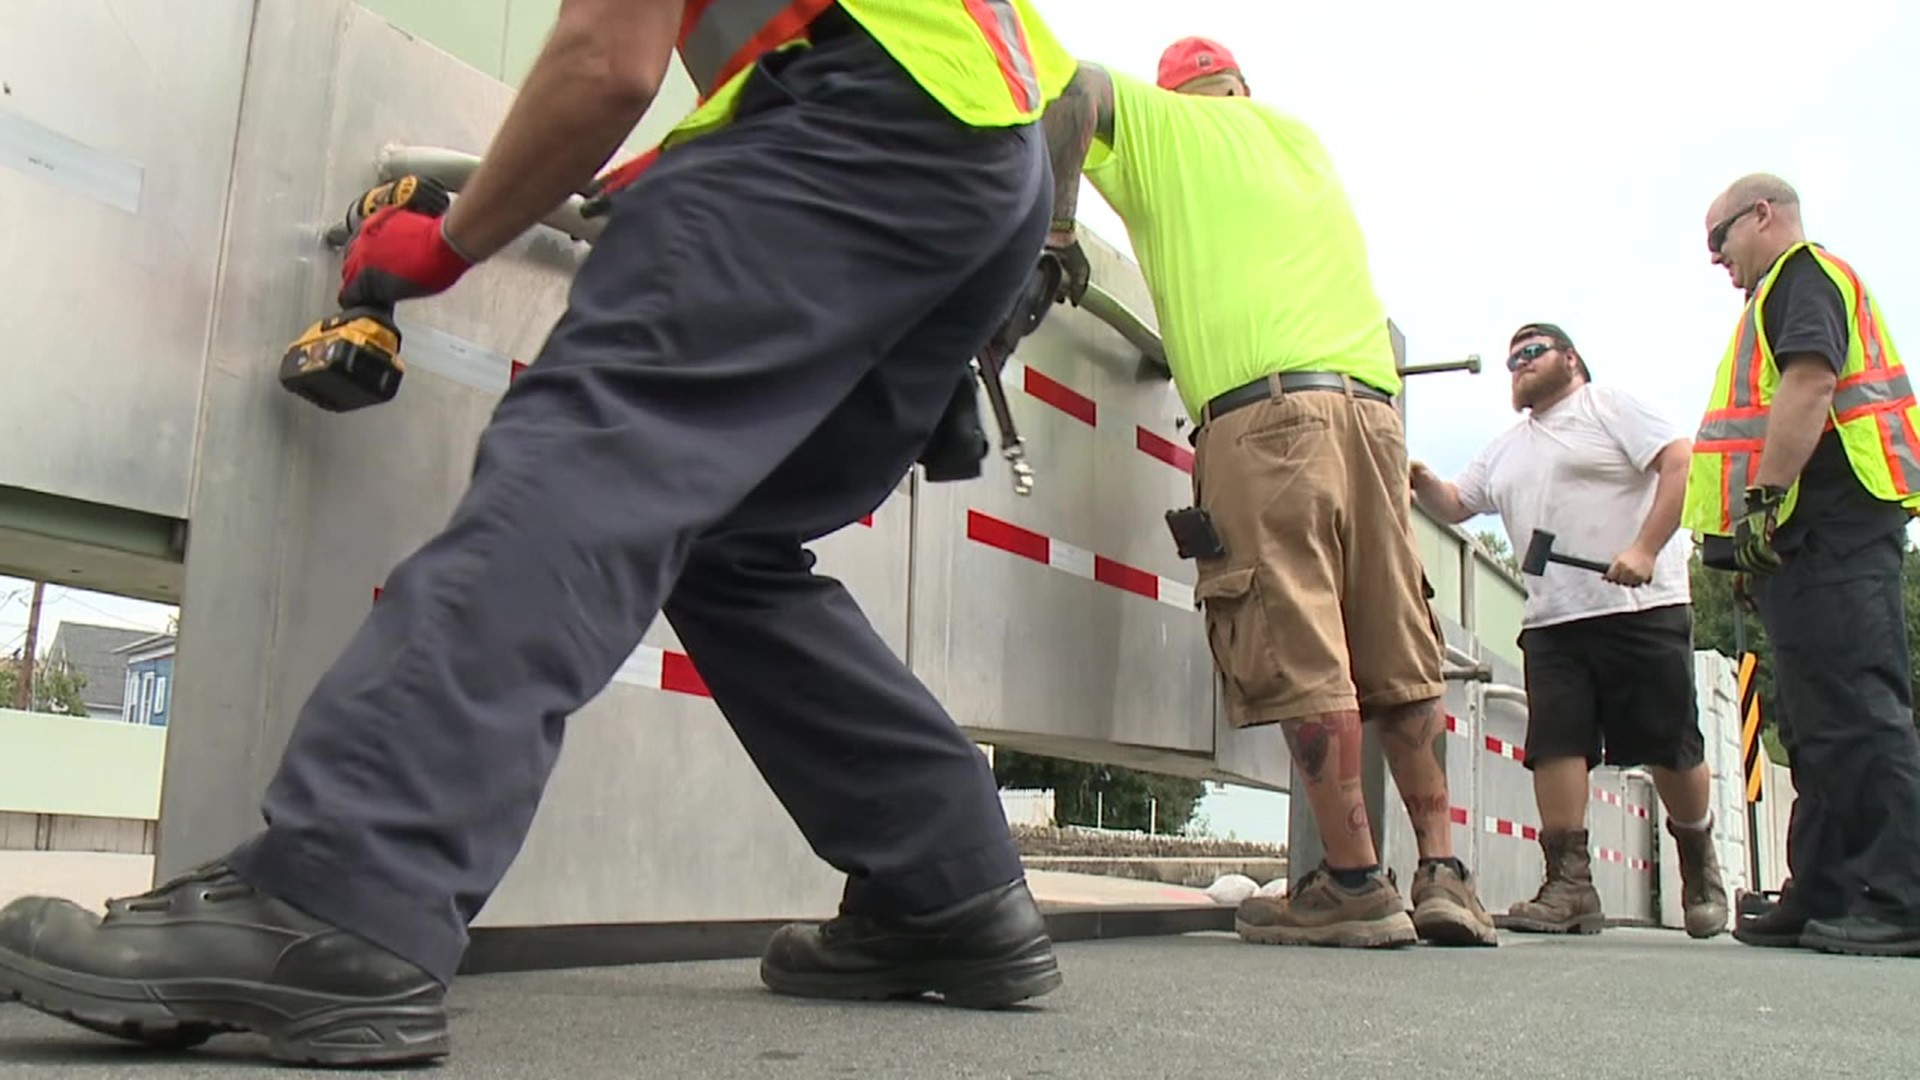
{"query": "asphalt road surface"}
[(1628, 1003)]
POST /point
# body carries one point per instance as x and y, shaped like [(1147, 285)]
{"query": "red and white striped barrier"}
[(1052, 392), (1017, 540), (1505, 749), (1614, 799)]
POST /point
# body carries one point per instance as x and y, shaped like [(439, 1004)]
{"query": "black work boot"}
[(1875, 927), (205, 954), (983, 953), (1779, 925)]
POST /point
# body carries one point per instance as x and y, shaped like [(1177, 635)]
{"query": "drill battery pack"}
[(346, 361)]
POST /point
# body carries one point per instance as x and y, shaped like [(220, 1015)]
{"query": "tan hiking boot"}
[(1567, 902), (1446, 910), (1317, 910), (1702, 891)]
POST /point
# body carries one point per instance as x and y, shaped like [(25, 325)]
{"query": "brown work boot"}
[(1318, 910), (1702, 891), (1567, 902), (1446, 910)]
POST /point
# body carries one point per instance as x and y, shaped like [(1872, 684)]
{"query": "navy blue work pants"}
[(753, 355), (1834, 617)]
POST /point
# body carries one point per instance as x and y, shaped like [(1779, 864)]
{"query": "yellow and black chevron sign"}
[(1750, 751)]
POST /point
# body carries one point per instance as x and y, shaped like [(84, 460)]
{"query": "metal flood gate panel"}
[(116, 138), (1066, 613)]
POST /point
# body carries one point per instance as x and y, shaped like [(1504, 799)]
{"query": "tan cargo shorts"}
[(1319, 604)]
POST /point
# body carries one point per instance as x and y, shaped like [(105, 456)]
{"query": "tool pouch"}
[(959, 443)]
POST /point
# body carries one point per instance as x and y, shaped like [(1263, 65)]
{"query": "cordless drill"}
[(351, 359)]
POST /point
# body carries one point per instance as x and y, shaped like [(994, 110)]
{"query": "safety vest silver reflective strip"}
[(724, 28), (1002, 27)]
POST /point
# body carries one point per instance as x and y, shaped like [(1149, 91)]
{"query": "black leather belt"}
[(1261, 389)]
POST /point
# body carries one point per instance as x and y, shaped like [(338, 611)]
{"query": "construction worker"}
[(1805, 471), (752, 356), (1280, 350), (1608, 656)]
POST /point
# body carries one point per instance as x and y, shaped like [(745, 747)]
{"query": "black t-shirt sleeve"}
[(1805, 312)]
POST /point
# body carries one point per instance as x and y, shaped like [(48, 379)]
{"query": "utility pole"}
[(23, 693)]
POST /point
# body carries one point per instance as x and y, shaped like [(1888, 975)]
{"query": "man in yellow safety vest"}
[(771, 325), (1315, 601), (1804, 475)]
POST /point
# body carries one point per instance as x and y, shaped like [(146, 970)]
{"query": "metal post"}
[(1753, 813)]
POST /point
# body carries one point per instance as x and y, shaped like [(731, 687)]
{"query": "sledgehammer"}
[(1540, 552)]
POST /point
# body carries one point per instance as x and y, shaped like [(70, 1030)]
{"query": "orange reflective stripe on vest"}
[(1878, 391), (719, 38), (1002, 28)]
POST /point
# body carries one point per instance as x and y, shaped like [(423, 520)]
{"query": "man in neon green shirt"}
[(1280, 350)]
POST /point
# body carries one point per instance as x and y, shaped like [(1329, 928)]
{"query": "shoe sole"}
[(1582, 926), (1827, 944), (985, 984), (1769, 941), (1386, 932), (1448, 922), (301, 1027)]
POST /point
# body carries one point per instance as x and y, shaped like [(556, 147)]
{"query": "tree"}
[(1089, 794), (1496, 548), (57, 686)]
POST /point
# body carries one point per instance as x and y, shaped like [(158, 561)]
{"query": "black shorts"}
[(1614, 688)]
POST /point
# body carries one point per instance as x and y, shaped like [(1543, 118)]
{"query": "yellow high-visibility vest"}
[(1873, 410), (991, 63)]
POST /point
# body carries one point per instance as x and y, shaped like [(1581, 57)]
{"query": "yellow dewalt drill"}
[(351, 359)]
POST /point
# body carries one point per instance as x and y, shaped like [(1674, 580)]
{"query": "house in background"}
[(149, 663), (95, 652)]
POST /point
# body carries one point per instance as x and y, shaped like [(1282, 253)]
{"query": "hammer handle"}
[(1584, 564)]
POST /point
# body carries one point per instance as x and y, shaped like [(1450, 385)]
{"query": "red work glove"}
[(398, 255), (600, 193)]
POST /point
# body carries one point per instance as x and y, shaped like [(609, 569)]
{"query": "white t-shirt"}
[(1580, 470)]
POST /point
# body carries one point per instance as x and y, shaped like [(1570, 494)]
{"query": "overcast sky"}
[(1519, 161)]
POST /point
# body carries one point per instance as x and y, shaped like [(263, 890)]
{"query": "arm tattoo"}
[(1083, 110)]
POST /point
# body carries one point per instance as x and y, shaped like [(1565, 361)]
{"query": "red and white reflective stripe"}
[(662, 669), (1510, 751), (1455, 727), (1016, 540), (1458, 815), (1621, 858), (1615, 799), (1050, 391), (1503, 827)]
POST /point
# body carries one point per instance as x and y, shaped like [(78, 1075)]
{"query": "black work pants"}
[(753, 355), (1835, 619)]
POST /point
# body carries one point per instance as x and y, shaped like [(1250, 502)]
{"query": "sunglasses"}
[(1527, 354), (1717, 237)]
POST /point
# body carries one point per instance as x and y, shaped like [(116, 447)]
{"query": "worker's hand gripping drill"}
[(398, 251)]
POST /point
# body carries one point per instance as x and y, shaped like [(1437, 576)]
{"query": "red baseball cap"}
[(1190, 58)]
